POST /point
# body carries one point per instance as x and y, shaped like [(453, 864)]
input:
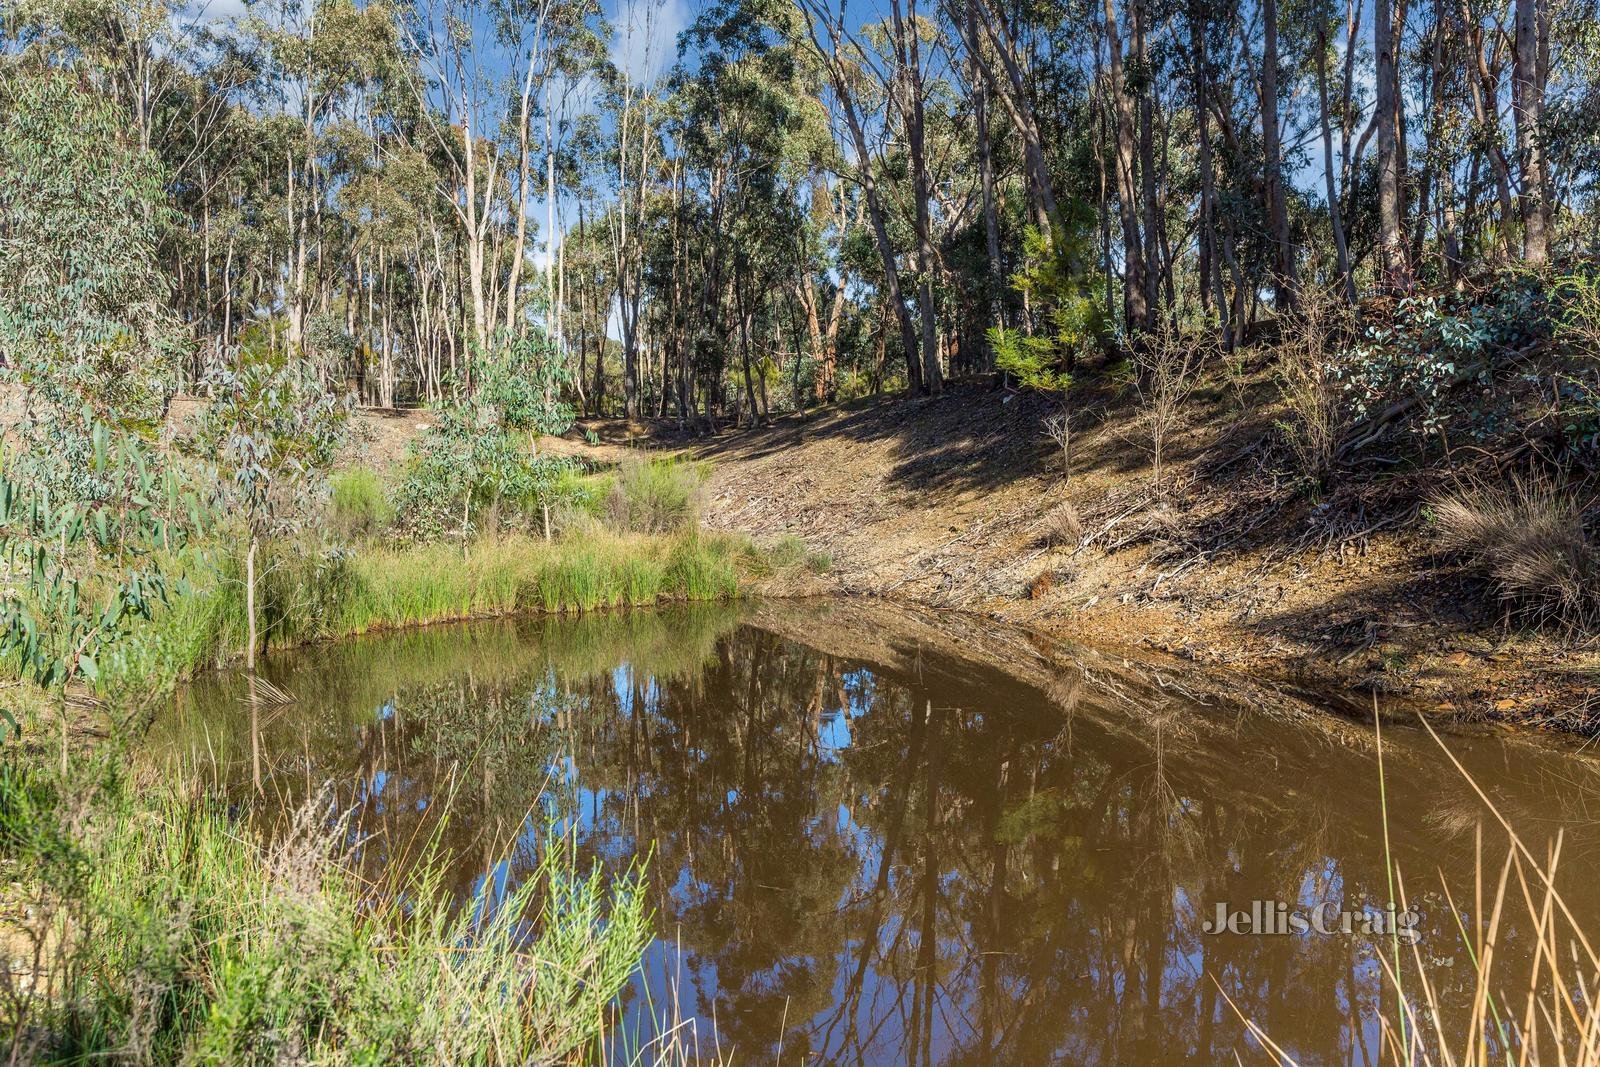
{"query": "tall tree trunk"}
[(1341, 247), (910, 78), (1527, 107), (1154, 220), (995, 299), (1134, 305), (1391, 236), (1014, 96), (875, 211), (1277, 207)]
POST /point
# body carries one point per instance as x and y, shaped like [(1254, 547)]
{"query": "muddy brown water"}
[(882, 838)]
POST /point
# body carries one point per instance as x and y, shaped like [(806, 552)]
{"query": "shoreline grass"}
[(162, 929), (308, 596)]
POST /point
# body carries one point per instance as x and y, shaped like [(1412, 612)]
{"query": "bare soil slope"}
[(959, 502)]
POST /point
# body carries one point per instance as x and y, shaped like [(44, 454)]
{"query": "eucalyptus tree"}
[(86, 337)]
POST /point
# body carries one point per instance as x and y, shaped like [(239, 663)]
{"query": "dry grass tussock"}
[(1528, 535)]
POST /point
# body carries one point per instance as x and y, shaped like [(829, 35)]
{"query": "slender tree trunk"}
[(250, 605), (1135, 306), (1277, 207), (1391, 236), (995, 296), (1152, 221), (875, 211), (1335, 217), (1527, 107), (910, 79)]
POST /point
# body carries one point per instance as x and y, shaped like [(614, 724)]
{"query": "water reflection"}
[(875, 845)]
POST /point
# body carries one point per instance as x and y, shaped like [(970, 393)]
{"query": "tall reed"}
[(1550, 1017)]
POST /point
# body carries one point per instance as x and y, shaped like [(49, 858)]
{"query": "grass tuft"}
[(1528, 535), (656, 496), (358, 507)]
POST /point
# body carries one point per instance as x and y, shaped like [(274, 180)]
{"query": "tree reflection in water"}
[(870, 850)]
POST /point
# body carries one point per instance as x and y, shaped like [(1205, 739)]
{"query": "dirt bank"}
[(958, 502)]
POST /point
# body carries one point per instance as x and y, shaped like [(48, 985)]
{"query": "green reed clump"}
[(358, 505), (703, 567), (164, 931), (308, 594)]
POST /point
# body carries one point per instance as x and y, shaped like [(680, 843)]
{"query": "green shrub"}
[(657, 496), (358, 507)]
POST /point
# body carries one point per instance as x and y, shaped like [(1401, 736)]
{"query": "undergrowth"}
[(1528, 535), (160, 930)]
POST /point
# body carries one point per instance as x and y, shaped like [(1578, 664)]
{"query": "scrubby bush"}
[(358, 506), (1165, 368), (1529, 536), (464, 474), (1433, 341), (1305, 372), (657, 496)]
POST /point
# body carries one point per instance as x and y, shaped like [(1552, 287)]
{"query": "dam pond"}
[(884, 837)]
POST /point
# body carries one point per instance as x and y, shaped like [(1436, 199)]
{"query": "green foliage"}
[(1033, 361), (522, 381), (656, 496), (789, 552), (1432, 341), (1577, 294), (83, 315), (83, 570), (1057, 280), (703, 568), (358, 505), (464, 465), (312, 594), (188, 938), (84, 322), (272, 430)]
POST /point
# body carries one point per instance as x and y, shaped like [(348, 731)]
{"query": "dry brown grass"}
[(1528, 535), (1062, 526)]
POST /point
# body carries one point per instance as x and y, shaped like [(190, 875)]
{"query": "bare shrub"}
[(1058, 427), (1314, 424), (1166, 367), (1528, 535)]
